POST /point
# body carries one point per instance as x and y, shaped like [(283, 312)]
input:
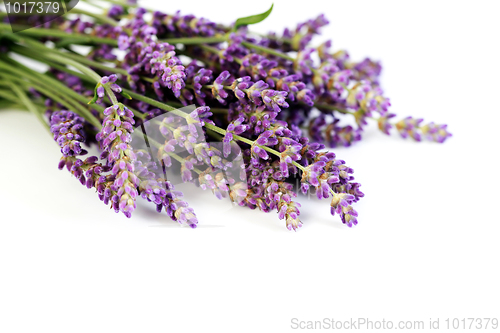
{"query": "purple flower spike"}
[(67, 128), (146, 56), (115, 138)]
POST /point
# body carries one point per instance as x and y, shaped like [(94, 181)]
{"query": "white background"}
[(426, 246)]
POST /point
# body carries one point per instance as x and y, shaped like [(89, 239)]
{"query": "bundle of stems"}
[(245, 115)]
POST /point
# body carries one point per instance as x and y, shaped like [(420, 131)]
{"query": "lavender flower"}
[(383, 122), (435, 132), (188, 25), (164, 62), (153, 188), (115, 11), (68, 131), (115, 138), (147, 56), (412, 127)]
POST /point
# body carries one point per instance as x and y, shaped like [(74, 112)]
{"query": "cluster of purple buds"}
[(339, 80), (145, 56), (166, 65), (68, 131), (177, 25), (281, 193), (341, 204), (266, 138), (384, 123), (296, 89), (115, 138), (289, 149), (341, 136), (235, 127), (322, 74), (233, 51), (108, 82), (303, 63), (155, 189), (304, 32), (115, 11), (330, 177), (316, 176), (435, 132), (412, 127), (336, 136), (216, 182), (374, 101), (196, 77), (367, 69), (259, 94), (259, 66)]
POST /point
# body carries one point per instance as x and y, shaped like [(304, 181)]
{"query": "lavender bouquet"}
[(245, 115)]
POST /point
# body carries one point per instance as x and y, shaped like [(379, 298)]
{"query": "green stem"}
[(206, 40), (12, 106), (111, 95), (61, 57), (268, 50), (50, 88), (115, 2), (332, 108), (98, 65), (66, 57), (99, 17), (29, 104), (42, 32), (92, 3), (80, 59), (84, 69), (24, 51), (154, 102), (78, 74), (195, 40), (210, 48), (68, 103), (95, 64), (7, 94)]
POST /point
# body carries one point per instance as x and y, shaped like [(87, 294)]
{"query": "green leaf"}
[(93, 100), (252, 19), (124, 94)]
